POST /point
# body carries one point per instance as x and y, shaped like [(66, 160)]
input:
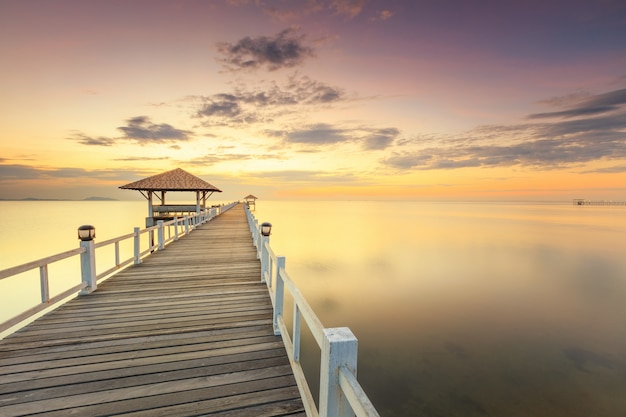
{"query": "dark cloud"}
[(259, 105), (285, 50), (141, 158), (138, 129), (324, 134), (593, 129), (13, 172), (380, 139), (318, 134), (286, 11), (589, 105), (93, 141), (545, 146), (141, 130)]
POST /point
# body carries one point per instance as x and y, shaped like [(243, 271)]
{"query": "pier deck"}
[(187, 332)]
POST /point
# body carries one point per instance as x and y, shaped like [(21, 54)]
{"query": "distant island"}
[(94, 198)]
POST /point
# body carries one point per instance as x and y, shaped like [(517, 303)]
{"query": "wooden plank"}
[(187, 332)]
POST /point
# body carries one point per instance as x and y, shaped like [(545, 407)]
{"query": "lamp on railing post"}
[(86, 234), (266, 230)]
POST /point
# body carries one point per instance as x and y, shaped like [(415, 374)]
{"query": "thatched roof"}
[(174, 180), (250, 197)]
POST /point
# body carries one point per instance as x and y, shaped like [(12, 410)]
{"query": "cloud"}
[(593, 129), (142, 158), (285, 50), (13, 172), (295, 10), (93, 141), (349, 8), (141, 130), (385, 14), (322, 134), (138, 129), (588, 105), (318, 134), (380, 138), (259, 104)]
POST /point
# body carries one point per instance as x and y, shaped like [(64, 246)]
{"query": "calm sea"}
[(461, 309)]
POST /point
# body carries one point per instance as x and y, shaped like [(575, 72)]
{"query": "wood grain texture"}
[(188, 332)]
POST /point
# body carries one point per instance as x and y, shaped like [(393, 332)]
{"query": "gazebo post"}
[(150, 208)]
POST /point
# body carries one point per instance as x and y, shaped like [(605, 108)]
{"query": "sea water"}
[(460, 309)]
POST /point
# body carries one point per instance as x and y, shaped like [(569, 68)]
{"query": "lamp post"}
[(266, 229), (86, 234)]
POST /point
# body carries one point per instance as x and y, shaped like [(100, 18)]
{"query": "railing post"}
[(255, 238), (137, 246), (88, 266), (45, 287), (161, 235), (265, 255), (339, 349), (280, 293), (175, 228), (296, 333), (186, 224)]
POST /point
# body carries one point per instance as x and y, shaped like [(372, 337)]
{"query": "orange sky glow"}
[(324, 99)]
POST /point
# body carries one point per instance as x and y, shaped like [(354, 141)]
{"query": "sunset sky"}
[(324, 99)]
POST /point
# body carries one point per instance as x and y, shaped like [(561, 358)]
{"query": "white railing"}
[(340, 395), (89, 278)]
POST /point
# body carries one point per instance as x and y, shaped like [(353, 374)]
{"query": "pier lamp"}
[(266, 228), (86, 232)]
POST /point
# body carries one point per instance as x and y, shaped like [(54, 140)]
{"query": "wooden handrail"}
[(197, 219), (338, 345)]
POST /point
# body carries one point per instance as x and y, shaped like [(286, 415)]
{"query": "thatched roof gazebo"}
[(174, 180), (250, 200)]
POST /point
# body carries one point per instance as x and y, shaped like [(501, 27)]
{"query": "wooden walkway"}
[(187, 333)]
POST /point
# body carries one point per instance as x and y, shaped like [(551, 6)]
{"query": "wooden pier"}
[(187, 332)]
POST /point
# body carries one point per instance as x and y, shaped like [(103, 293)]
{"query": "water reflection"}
[(469, 309)]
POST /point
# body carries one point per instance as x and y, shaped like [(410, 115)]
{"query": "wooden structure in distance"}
[(174, 180), (187, 332), (250, 200)]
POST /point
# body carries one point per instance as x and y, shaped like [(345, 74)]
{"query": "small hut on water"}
[(174, 180), (250, 200)]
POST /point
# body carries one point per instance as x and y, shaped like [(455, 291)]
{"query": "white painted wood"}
[(88, 267), (117, 253), (9, 272), (89, 278), (43, 279), (353, 391), (137, 246), (264, 256), (34, 310), (298, 372), (296, 333), (280, 294), (339, 349), (160, 234)]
